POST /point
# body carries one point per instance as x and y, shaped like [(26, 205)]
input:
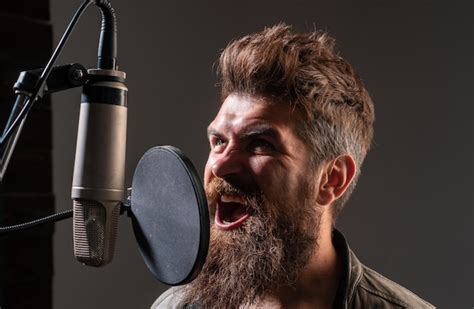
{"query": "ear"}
[(336, 176)]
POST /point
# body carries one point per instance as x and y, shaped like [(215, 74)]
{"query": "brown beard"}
[(266, 253)]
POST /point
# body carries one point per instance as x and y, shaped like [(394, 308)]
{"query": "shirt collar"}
[(351, 272)]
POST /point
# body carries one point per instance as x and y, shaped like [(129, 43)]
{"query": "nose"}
[(228, 163)]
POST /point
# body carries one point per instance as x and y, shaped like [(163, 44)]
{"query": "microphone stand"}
[(32, 85), (186, 250)]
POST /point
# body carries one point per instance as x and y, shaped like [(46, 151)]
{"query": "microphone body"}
[(98, 188)]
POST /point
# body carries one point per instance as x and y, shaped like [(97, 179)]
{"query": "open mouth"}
[(231, 212)]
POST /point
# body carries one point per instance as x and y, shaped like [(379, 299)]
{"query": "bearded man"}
[(286, 149)]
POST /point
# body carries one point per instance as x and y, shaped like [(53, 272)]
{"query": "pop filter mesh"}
[(169, 215)]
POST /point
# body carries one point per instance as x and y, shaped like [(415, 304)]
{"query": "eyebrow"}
[(212, 131), (251, 132), (258, 131)]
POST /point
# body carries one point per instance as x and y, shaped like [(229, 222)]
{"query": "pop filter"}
[(170, 217)]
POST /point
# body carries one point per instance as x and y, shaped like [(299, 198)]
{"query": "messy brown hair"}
[(306, 71)]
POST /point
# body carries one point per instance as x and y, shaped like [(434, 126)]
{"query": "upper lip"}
[(233, 198)]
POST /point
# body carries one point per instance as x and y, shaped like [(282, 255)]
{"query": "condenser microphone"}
[(98, 188), (99, 168)]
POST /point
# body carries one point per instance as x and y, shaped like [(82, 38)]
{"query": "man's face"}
[(260, 189), (255, 148)]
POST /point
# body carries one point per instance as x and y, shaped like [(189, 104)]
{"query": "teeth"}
[(232, 199)]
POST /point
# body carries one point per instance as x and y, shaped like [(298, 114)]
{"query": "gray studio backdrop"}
[(411, 216)]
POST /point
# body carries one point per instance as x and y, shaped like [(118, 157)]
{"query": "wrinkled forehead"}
[(242, 112)]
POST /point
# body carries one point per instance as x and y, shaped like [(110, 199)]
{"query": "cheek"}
[(278, 179), (260, 165), (269, 172)]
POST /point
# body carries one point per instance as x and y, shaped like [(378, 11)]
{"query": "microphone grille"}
[(94, 231)]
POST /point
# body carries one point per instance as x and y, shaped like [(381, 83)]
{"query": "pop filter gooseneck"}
[(169, 214)]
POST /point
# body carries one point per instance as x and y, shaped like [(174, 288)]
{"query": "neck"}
[(317, 284)]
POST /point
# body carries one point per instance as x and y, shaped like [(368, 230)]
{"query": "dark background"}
[(411, 216)]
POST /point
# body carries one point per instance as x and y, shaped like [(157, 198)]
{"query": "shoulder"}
[(170, 299), (381, 291)]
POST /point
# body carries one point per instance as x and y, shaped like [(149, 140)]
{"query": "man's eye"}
[(217, 143), (261, 146)]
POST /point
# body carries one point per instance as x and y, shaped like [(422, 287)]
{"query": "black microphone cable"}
[(35, 223), (5, 230)]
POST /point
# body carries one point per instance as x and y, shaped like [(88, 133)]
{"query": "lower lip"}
[(229, 226)]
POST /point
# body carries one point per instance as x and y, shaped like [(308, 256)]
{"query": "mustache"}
[(218, 187)]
